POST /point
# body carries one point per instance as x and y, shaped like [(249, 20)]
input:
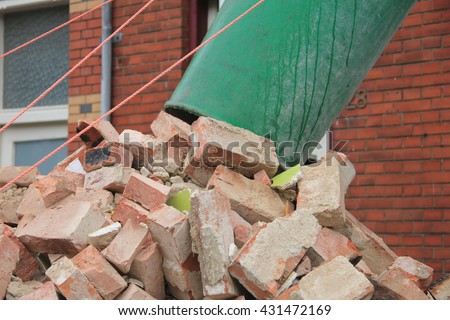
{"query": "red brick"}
[(71, 282), (148, 193), (9, 256), (126, 245), (105, 279)]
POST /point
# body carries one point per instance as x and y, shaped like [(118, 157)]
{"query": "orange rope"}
[(162, 74), (17, 116), (53, 30)]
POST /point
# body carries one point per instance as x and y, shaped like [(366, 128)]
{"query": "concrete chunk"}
[(394, 284), (329, 245), (109, 178), (9, 256), (101, 238), (133, 292), (46, 292), (220, 143), (9, 202), (251, 199), (7, 174), (269, 257), (170, 229), (145, 191), (63, 229), (212, 234), (147, 267), (71, 282), (126, 245), (417, 271), (105, 279), (127, 209), (335, 280), (17, 288)]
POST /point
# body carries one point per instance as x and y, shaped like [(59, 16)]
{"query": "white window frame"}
[(38, 123), (212, 10), (22, 133)]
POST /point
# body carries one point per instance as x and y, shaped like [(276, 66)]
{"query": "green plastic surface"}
[(285, 177), (181, 201), (288, 68)]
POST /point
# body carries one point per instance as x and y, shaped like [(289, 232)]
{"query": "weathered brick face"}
[(400, 142)]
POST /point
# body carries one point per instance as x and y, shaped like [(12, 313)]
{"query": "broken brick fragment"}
[(109, 155), (126, 245), (27, 265), (105, 279), (262, 177), (9, 256), (46, 292), (395, 284), (270, 256), (101, 238), (329, 245), (102, 131), (71, 282), (335, 280), (165, 126), (250, 199), (127, 209), (147, 267), (170, 229), (133, 292), (220, 143), (440, 289), (7, 174), (417, 271), (113, 178), (212, 235), (63, 229), (146, 192), (56, 187)]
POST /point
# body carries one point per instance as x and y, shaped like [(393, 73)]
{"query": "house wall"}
[(400, 141), (151, 43)]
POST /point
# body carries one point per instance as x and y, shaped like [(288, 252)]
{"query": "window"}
[(25, 74)]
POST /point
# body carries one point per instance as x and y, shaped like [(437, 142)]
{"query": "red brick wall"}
[(151, 43), (400, 142)]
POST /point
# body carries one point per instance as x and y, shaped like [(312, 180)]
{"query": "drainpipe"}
[(193, 26), (106, 60)]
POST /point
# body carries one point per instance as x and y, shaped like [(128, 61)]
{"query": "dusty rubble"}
[(199, 211)]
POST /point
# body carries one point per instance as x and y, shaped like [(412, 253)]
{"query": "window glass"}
[(27, 153), (30, 71)]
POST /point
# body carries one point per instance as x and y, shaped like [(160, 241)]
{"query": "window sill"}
[(36, 115)]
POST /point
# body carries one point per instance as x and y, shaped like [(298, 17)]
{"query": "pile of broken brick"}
[(193, 212)]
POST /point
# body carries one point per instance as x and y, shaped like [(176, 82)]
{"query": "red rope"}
[(53, 30), (144, 87), (90, 54)]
